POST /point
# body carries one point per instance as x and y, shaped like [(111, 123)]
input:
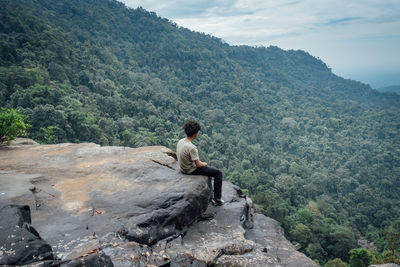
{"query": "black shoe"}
[(217, 202)]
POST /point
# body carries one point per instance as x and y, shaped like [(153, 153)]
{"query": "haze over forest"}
[(317, 152)]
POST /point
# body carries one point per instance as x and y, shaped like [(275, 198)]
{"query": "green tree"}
[(301, 233), (336, 263), (304, 216), (315, 251), (341, 240), (388, 257), (392, 238), (49, 134), (360, 257), (12, 124)]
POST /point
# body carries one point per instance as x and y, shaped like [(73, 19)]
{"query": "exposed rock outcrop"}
[(20, 243), (237, 236), (385, 265), (134, 206)]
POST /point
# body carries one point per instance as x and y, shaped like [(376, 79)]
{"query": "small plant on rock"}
[(12, 124)]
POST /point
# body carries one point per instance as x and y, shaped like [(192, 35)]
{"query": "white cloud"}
[(350, 35)]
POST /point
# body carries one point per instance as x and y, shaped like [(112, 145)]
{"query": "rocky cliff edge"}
[(83, 204)]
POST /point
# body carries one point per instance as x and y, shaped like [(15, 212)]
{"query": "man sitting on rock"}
[(188, 158)]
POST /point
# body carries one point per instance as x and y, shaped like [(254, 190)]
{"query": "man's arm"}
[(199, 163)]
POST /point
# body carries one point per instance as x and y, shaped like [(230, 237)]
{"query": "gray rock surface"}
[(136, 207), (98, 259), (237, 236), (385, 265), (20, 243)]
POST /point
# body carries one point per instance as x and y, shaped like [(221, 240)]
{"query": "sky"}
[(358, 39)]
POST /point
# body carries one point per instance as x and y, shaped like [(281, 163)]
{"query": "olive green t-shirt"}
[(187, 153)]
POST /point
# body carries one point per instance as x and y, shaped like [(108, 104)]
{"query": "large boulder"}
[(20, 243), (132, 207), (77, 191), (98, 259), (237, 236)]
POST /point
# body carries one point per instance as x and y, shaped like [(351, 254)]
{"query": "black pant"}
[(211, 172)]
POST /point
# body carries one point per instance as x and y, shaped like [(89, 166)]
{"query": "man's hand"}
[(200, 164)]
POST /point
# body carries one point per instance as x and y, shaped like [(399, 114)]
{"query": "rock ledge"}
[(134, 207)]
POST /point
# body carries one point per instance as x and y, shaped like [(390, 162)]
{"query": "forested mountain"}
[(390, 89), (319, 153)]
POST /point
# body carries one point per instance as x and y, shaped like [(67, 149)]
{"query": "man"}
[(188, 158)]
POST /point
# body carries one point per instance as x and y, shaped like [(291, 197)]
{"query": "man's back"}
[(187, 154)]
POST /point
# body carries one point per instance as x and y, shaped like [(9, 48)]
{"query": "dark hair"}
[(191, 127)]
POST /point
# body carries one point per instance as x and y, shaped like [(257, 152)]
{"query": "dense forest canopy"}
[(390, 89), (319, 153)]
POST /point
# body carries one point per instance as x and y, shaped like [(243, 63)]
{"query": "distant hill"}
[(317, 152), (390, 89)]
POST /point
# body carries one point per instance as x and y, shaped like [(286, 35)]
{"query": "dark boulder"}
[(20, 243), (95, 259)]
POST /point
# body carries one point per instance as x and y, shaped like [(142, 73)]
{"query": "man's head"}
[(191, 128)]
